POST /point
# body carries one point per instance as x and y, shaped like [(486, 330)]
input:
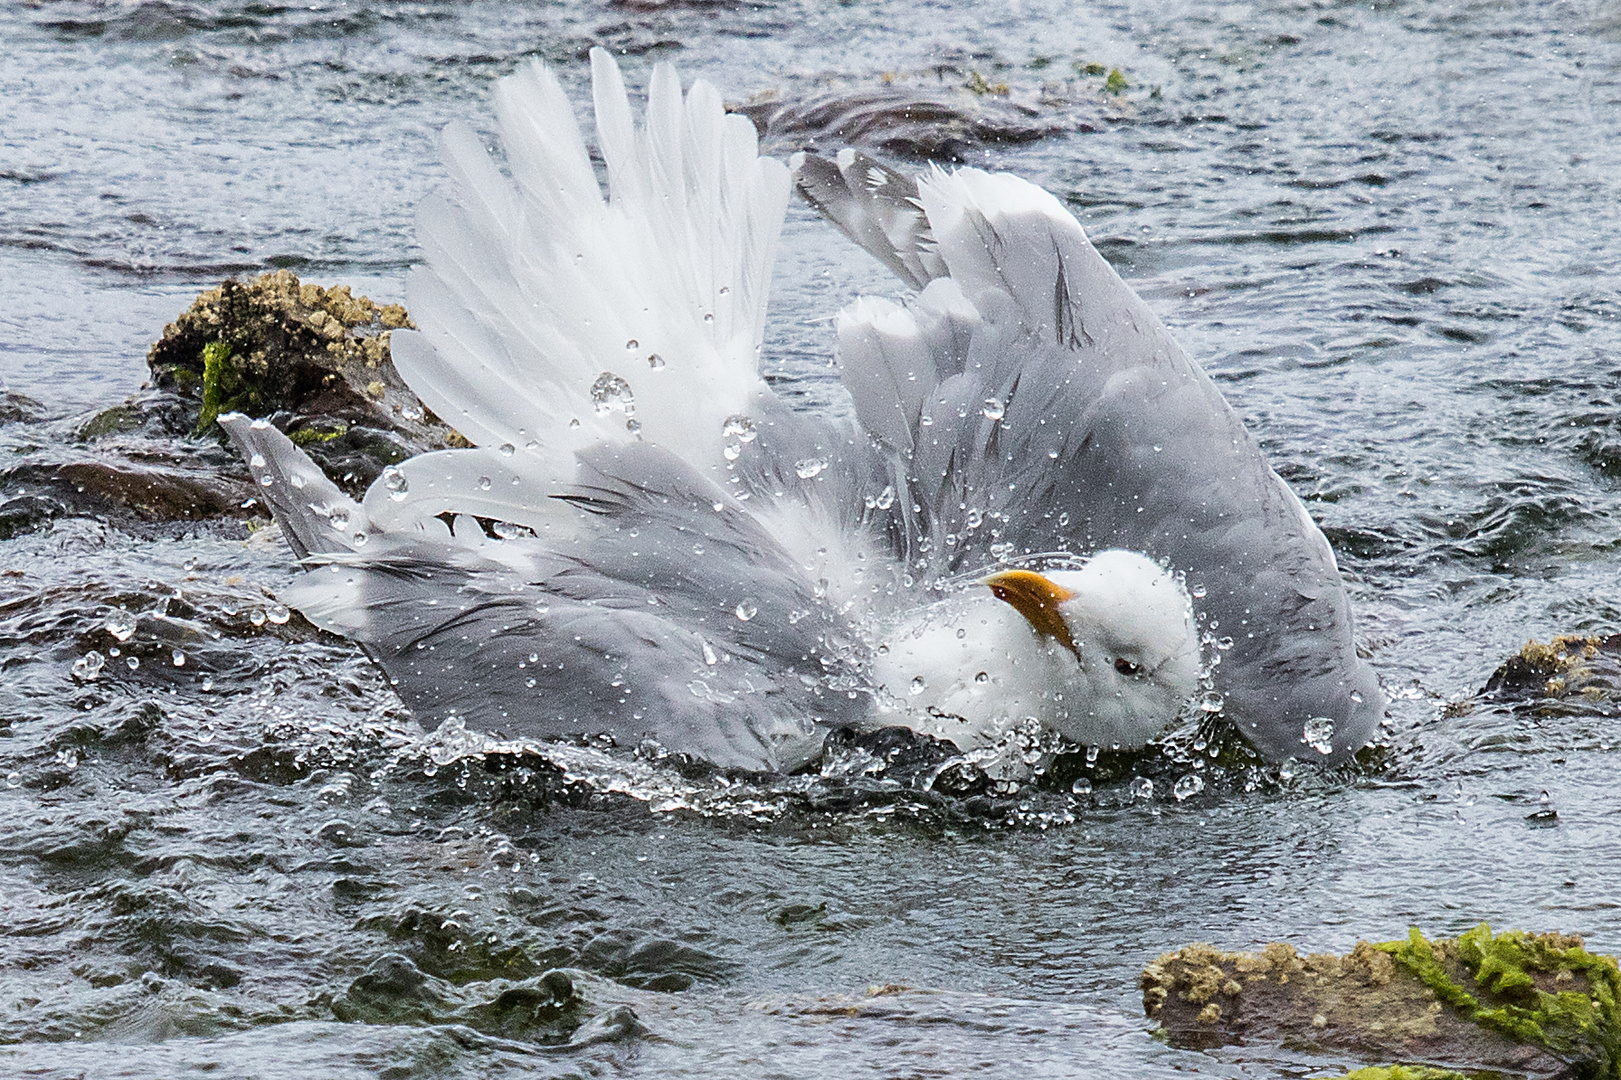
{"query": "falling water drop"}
[(1188, 786), (87, 667), (121, 624), (1318, 733)]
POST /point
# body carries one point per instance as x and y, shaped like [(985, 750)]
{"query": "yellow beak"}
[(1037, 599)]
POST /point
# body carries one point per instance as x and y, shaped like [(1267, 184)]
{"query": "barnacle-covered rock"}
[(1535, 1005), (1573, 673), (313, 360)]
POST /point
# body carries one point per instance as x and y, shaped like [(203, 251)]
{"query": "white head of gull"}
[(1041, 509)]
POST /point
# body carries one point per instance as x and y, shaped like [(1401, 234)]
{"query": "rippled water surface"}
[(1389, 230)]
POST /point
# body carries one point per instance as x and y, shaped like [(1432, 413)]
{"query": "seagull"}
[(1034, 509)]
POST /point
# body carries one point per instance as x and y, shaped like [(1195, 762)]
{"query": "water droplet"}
[(395, 483), (1141, 788), (886, 497), (1187, 787), (632, 345), (256, 617), (1198, 591), (298, 481), (505, 530), (611, 393), (506, 449), (708, 318), (655, 361), (484, 483), (411, 411), (993, 409), (961, 633), (121, 625), (709, 655), (574, 423), (359, 539), (1355, 696), (278, 614), (132, 663), (87, 667), (1081, 786), (208, 684), (808, 468), (1225, 643), (1091, 755), (1212, 702), (732, 451), (976, 518), (925, 420), (257, 461), (746, 610), (917, 684), (179, 658), (14, 780), (1318, 733), (739, 427), (267, 480), (340, 519), (983, 677)]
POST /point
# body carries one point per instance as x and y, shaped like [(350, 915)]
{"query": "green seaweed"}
[(1404, 1072), (218, 380), (1507, 966), (1116, 83), (307, 436)]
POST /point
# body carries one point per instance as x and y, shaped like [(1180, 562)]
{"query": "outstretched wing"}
[(1033, 403), (669, 615)]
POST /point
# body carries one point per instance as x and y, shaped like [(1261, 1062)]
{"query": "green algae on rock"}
[(314, 360), (1534, 1005)]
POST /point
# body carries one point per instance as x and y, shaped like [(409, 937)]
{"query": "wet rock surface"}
[(1533, 1005), (937, 123), (1573, 674)]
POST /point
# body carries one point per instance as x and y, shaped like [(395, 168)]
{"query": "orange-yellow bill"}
[(1037, 599)]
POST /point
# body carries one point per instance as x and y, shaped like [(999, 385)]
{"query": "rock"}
[(1537, 1005), (1573, 673), (547, 1008), (315, 361), (939, 123)]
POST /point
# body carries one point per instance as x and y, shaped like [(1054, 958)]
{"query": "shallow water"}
[(1388, 230)]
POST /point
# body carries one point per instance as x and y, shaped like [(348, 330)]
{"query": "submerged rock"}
[(546, 1008), (933, 123), (1535, 1005)]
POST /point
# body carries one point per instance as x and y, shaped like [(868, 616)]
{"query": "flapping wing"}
[(1033, 403), (554, 318)]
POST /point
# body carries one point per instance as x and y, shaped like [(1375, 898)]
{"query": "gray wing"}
[(1032, 403), (662, 618)]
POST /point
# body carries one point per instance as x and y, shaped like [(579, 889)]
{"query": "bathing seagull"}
[(1041, 510)]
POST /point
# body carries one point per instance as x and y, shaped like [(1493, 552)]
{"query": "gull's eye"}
[(1126, 667)]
